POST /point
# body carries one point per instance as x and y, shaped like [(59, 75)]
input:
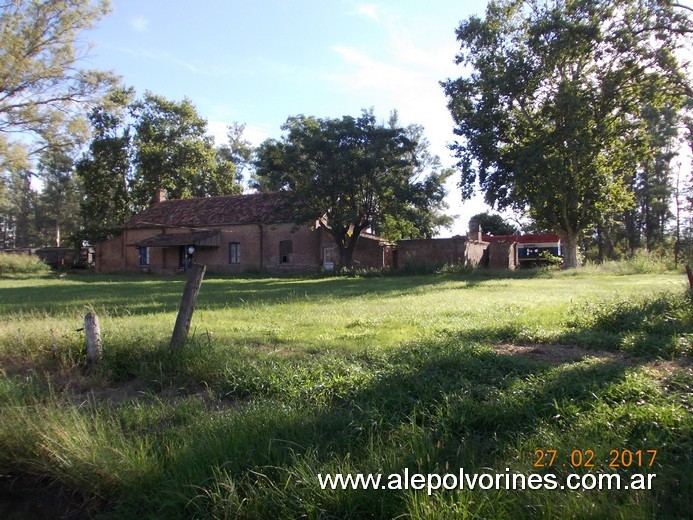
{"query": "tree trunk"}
[(347, 257), (569, 242), (346, 252)]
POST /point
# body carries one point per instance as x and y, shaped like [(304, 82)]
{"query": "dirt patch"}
[(277, 351), (554, 353), (557, 354), (23, 498), (114, 394)]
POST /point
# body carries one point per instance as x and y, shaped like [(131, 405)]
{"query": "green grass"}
[(14, 265), (288, 378)]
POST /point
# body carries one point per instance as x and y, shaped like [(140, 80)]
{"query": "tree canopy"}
[(42, 87), (173, 152), (491, 225), (141, 146), (105, 170), (351, 174), (550, 117)]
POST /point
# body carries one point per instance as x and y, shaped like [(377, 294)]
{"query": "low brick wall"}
[(435, 252), (476, 254), (502, 255)]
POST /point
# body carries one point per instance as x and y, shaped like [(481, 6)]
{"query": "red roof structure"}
[(522, 239), (215, 211)]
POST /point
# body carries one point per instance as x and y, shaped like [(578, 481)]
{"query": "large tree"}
[(105, 169), (42, 87), (491, 225), (173, 152), (59, 201), (350, 174), (550, 114), (141, 146)]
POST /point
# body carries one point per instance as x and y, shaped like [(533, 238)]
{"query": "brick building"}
[(494, 252), (435, 252), (228, 234)]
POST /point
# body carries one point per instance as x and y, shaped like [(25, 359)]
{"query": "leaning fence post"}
[(93, 333), (187, 305)]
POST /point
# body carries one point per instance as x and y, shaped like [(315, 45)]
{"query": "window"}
[(234, 252), (285, 251), (144, 256)]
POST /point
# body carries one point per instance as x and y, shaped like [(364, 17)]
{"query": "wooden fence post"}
[(93, 333), (690, 276), (187, 305)]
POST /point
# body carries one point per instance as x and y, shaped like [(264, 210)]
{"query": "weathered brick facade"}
[(502, 255), (435, 252), (230, 235)]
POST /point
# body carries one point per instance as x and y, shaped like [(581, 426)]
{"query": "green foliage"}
[(13, 264), (288, 378), (551, 115), (43, 87), (238, 151), (660, 326), (549, 258), (351, 174), (104, 171), (491, 225), (59, 202), (142, 146), (640, 263), (173, 152)]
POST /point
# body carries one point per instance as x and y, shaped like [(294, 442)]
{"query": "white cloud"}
[(256, 134), (140, 24), (406, 79), (405, 76), (371, 11)]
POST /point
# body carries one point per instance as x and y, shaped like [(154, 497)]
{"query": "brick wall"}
[(502, 255), (369, 253), (430, 253), (259, 250), (476, 254), (434, 252)]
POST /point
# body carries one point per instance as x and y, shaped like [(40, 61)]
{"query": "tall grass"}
[(658, 325), (285, 379), (15, 264)]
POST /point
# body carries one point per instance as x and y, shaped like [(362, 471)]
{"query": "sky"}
[(257, 62)]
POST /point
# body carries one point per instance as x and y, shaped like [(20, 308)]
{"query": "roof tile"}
[(211, 211)]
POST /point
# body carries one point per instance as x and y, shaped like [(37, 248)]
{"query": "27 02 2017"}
[(617, 458)]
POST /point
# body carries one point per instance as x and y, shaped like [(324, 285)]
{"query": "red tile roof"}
[(179, 239), (214, 211), (522, 239)]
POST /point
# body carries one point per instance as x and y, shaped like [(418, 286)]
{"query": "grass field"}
[(286, 379)]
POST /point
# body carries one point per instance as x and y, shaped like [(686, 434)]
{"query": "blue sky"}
[(259, 62)]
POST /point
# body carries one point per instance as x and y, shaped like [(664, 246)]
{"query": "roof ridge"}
[(240, 208)]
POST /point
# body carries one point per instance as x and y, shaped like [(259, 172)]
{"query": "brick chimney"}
[(159, 195)]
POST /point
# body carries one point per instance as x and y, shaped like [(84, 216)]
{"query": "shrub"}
[(550, 259), (11, 263), (640, 263)]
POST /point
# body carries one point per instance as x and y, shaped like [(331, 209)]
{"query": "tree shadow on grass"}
[(433, 406), (143, 295)]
